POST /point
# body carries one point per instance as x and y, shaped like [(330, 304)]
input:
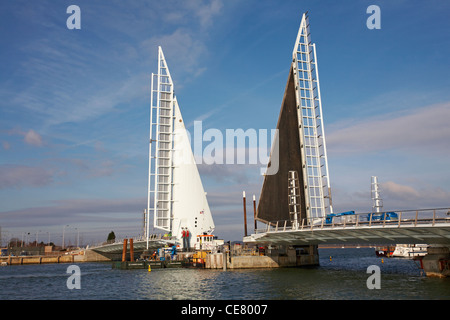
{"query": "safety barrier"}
[(398, 218)]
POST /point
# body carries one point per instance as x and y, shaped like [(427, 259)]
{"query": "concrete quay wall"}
[(216, 261), (88, 256), (40, 259)]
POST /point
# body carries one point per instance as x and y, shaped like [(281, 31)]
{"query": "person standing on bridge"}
[(183, 235), (187, 239)]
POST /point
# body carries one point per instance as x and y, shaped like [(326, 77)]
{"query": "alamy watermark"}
[(374, 281), (74, 20), (233, 146), (74, 280), (374, 21)]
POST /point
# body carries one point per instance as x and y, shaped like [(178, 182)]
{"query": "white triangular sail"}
[(190, 205), (176, 197)]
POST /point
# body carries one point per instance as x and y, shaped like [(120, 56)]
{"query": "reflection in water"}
[(198, 284), (344, 277)]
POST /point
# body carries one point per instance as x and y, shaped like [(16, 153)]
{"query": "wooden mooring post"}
[(131, 250), (245, 215), (124, 250), (254, 211)]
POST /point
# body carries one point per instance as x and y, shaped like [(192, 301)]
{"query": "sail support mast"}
[(311, 129)]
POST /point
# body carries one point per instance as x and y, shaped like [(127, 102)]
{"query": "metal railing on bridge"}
[(403, 218)]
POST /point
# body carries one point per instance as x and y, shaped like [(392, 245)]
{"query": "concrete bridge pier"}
[(280, 256), (436, 263)]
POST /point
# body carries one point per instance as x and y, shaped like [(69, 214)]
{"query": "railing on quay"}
[(398, 218), (152, 237)]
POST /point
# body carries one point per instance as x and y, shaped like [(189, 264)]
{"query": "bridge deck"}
[(425, 227)]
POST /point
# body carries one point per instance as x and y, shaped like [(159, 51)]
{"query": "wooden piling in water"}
[(124, 251), (254, 210), (131, 250), (245, 215)]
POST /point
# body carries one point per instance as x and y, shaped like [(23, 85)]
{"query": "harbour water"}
[(342, 275)]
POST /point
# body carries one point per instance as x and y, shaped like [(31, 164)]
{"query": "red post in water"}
[(131, 250), (124, 251), (245, 216), (254, 210)]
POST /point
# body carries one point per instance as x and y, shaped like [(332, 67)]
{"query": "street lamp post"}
[(78, 237), (37, 232), (64, 229)]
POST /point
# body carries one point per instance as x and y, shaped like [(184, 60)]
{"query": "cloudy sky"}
[(74, 104)]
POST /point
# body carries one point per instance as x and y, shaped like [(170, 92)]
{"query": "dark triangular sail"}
[(301, 187), (274, 199)]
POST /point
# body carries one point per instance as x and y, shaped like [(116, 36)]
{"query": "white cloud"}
[(6, 145), (74, 210), (106, 168), (417, 197), (33, 138), (206, 12), (17, 176), (68, 80), (182, 12), (394, 195), (418, 131), (400, 191), (182, 50)]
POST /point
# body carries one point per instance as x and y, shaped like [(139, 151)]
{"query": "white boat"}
[(176, 197), (401, 250), (410, 250)]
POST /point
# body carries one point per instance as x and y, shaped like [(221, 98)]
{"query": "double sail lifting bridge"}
[(296, 201), (176, 197)]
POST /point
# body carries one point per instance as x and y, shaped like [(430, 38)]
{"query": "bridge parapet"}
[(398, 218)]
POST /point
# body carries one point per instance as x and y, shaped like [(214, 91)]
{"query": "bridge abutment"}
[(436, 263), (280, 256)]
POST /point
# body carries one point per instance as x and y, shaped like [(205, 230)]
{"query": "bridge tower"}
[(176, 197), (299, 148)]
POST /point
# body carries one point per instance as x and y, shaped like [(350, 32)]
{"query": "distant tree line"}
[(16, 242), (111, 237)]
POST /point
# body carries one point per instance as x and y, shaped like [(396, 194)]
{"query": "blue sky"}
[(75, 103)]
